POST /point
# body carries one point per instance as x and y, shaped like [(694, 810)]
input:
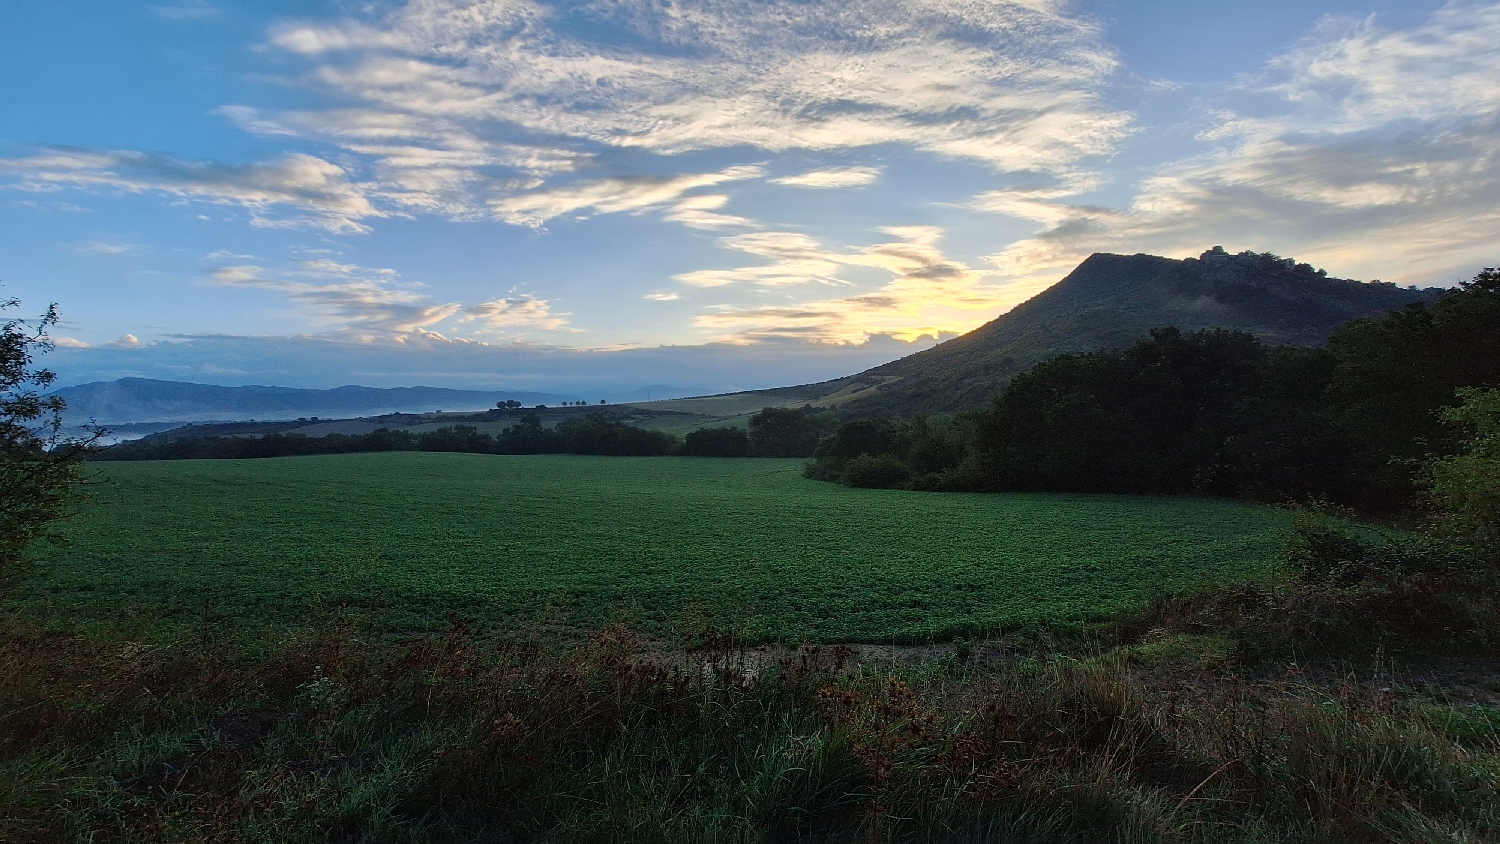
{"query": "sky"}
[(713, 195)]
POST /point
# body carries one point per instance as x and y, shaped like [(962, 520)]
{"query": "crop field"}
[(411, 540)]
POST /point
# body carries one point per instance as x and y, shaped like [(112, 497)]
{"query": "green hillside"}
[(666, 544)]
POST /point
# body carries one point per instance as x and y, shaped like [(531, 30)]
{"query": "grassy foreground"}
[(461, 739), (407, 540)]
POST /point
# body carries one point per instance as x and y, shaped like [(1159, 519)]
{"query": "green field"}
[(671, 545)]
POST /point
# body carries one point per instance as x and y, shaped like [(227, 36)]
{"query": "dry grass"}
[(462, 737)]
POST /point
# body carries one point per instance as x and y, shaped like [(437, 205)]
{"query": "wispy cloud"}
[(837, 177), (421, 163), (194, 9), (1012, 84), (104, 247), (461, 105), (503, 108), (49, 206), (361, 305), (373, 304), (516, 311), (320, 193), (931, 294), (794, 259), (611, 195), (702, 212)]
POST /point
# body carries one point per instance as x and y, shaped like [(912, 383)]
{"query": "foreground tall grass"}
[(463, 738)]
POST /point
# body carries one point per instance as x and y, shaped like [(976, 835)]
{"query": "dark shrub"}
[(717, 442), (882, 472), (863, 437), (598, 434), (788, 432)]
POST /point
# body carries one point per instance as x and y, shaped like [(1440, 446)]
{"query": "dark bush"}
[(879, 472), (788, 432), (1324, 551), (862, 437), (598, 434), (461, 438), (716, 442)]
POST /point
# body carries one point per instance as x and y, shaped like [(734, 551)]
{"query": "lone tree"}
[(40, 468)]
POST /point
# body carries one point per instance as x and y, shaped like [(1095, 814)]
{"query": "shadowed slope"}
[(1111, 301)]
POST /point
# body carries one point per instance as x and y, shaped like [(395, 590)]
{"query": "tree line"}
[(1359, 422), (773, 432)]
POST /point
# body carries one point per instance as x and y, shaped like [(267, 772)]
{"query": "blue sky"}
[(716, 195)]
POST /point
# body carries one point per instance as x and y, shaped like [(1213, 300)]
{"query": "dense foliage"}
[(716, 442), (1210, 412), (593, 434), (408, 538), (39, 467), (1465, 487), (788, 431)]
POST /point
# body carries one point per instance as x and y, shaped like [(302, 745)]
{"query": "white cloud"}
[(69, 343), (371, 303), (795, 259), (476, 108), (662, 297), (104, 247), (1384, 160), (1007, 83), (442, 94), (515, 311), (837, 177), (49, 206), (702, 212), (421, 163), (320, 190), (611, 195), (361, 305)]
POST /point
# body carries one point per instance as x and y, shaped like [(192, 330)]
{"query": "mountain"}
[(1110, 301), (146, 400)]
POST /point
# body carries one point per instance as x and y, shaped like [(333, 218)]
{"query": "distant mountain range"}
[(1111, 301), (146, 400)]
